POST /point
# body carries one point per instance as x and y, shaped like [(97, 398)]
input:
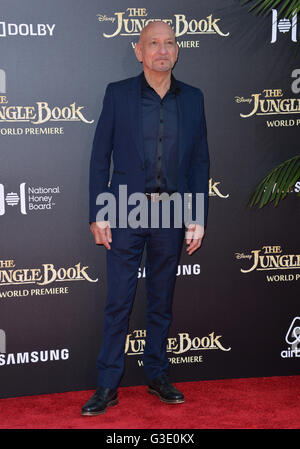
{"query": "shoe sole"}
[(167, 401), (109, 404)]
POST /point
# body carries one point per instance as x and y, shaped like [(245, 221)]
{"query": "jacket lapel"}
[(135, 112), (181, 117)]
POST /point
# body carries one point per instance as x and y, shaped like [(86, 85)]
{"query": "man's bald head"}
[(155, 25), (157, 48)]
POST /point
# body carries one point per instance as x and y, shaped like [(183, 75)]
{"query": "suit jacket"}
[(119, 134)]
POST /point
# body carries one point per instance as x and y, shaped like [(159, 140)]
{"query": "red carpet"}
[(256, 403)]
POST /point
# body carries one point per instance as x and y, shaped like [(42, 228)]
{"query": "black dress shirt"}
[(160, 132)]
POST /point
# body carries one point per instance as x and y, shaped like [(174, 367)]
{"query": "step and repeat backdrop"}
[(236, 304)]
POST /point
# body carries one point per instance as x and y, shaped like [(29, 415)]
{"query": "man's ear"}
[(138, 52), (177, 50)]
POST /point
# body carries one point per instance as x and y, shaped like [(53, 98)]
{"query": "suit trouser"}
[(163, 249)]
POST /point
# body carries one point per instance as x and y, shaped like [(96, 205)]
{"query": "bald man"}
[(154, 127)]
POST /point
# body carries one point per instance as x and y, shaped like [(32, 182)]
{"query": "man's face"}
[(157, 49)]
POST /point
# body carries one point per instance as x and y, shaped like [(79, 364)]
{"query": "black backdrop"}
[(236, 305)]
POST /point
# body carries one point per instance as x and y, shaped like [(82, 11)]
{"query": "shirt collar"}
[(174, 88)]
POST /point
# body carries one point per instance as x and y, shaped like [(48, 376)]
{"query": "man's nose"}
[(162, 49)]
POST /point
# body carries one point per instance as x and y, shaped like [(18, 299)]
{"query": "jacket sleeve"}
[(101, 153), (199, 179)]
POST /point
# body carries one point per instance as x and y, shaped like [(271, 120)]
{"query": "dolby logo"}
[(26, 29)]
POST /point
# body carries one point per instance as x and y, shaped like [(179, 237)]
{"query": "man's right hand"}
[(101, 232)]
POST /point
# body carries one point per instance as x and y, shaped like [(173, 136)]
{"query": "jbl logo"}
[(13, 199), (2, 82), (283, 26)]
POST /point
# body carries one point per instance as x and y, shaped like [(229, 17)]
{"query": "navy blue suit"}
[(119, 134)]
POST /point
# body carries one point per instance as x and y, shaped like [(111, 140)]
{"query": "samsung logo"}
[(21, 358)]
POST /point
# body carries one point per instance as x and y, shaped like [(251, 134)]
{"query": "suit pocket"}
[(119, 172)]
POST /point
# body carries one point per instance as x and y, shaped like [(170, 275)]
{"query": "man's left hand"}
[(194, 235)]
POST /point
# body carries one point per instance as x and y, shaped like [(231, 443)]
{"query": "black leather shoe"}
[(98, 403), (162, 387)]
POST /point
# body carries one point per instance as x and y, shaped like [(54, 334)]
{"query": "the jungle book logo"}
[(281, 109), (38, 113), (130, 23), (270, 259), (214, 189), (38, 281), (179, 348), (271, 104)]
